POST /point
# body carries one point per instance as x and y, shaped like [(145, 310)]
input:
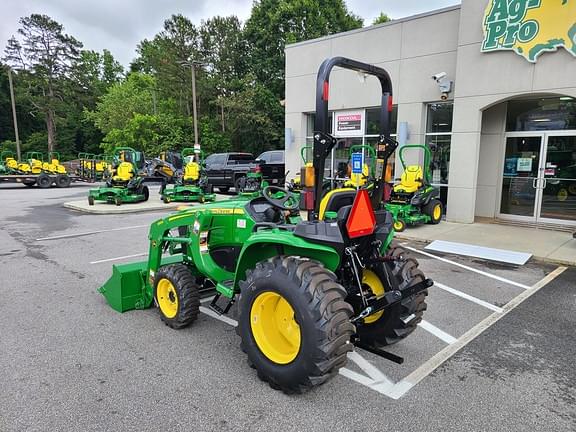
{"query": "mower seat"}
[(124, 173), (335, 200), (357, 180), (191, 171), (411, 180)]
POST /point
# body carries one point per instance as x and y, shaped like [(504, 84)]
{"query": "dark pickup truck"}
[(224, 170)]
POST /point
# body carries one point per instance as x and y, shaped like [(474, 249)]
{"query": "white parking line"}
[(90, 233), (472, 269), (427, 368), (119, 258), (468, 297), (440, 334)]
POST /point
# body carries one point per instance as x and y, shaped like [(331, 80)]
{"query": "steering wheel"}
[(280, 198)]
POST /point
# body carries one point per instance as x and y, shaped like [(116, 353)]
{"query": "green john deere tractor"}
[(414, 200), (192, 185), (307, 292), (126, 184)]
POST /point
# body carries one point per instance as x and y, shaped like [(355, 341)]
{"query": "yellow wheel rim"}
[(562, 195), (398, 225), (167, 298), (437, 212), (371, 281), (274, 328)]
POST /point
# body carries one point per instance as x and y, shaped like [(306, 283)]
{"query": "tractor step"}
[(217, 308)]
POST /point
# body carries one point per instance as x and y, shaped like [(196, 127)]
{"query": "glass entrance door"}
[(520, 181), (559, 179), (539, 178)]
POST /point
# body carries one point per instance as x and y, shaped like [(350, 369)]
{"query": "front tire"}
[(294, 323), (177, 296), (400, 321), (145, 192)]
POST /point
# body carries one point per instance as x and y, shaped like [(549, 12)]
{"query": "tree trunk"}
[(50, 120), (51, 129)]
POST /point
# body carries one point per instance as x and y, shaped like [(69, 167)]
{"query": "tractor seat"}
[(357, 180), (191, 171), (124, 173), (411, 180), (334, 200)]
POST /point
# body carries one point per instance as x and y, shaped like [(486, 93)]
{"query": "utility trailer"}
[(43, 180)]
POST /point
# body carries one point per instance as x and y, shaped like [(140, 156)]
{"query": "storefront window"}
[(439, 118), (373, 121), (438, 139), (557, 113), (337, 165)]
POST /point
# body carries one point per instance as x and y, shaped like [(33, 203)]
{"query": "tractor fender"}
[(270, 243)]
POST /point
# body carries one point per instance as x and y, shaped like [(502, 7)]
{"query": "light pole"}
[(192, 64), (14, 112)]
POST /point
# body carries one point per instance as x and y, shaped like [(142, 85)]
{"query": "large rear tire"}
[(398, 322), (294, 323), (435, 210), (177, 296)]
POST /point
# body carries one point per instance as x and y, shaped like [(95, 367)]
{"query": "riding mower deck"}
[(413, 200), (192, 185), (307, 292), (125, 185)]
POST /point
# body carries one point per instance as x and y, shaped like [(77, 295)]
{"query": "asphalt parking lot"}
[(495, 351)]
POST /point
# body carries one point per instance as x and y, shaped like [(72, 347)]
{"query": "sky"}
[(119, 25)]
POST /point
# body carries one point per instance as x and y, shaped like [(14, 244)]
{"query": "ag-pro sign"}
[(530, 27)]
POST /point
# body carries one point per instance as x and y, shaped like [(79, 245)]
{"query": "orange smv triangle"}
[(361, 220)]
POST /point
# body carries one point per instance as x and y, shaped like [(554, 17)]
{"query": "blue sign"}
[(357, 163)]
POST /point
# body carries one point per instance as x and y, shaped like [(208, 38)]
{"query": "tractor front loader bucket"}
[(128, 287), (125, 290)]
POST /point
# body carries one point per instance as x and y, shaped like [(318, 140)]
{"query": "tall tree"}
[(381, 19), (275, 23), (164, 55), (45, 55)]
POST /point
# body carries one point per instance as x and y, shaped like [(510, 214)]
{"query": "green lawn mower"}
[(125, 185), (192, 185), (307, 292), (414, 200)]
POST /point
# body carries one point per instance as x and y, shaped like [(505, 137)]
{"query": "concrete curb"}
[(103, 208)]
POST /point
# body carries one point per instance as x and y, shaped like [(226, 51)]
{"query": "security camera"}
[(444, 84), (439, 76)]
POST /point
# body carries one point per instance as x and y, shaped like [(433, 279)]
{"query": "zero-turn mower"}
[(192, 184), (307, 292), (125, 184), (414, 200)]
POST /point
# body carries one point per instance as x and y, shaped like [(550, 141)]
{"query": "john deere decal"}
[(530, 27)]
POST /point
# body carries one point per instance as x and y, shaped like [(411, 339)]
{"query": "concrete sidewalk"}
[(543, 244)]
